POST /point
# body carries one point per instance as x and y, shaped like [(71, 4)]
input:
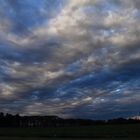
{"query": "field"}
[(19, 138), (100, 132)]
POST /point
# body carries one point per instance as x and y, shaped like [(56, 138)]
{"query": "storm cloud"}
[(70, 58)]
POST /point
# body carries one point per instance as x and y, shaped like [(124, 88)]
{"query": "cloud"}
[(81, 56)]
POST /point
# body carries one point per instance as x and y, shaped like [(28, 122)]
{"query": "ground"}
[(131, 131)]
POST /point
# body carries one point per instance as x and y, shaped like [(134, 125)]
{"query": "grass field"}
[(19, 138), (101, 131)]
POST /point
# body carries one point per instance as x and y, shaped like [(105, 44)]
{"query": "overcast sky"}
[(71, 58)]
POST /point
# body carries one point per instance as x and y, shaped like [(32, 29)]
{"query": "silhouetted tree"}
[(8, 120)]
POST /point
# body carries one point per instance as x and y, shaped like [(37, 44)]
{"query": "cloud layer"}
[(70, 58)]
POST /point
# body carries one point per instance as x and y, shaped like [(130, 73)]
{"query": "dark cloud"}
[(70, 58)]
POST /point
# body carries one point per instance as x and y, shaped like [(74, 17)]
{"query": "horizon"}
[(70, 58), (135, 118)]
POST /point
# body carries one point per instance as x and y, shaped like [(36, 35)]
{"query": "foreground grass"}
[(100, 131), (20, 138)]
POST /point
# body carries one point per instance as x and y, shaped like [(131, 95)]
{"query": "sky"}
[(71, 58)]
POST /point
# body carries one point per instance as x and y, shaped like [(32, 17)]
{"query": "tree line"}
[(9, 120)]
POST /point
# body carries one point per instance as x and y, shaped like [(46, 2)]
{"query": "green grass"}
[(100, 131)]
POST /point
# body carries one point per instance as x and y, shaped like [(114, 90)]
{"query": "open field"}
[(19, 138), (131, 131)]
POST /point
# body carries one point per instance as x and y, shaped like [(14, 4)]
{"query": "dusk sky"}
[(71, 58)]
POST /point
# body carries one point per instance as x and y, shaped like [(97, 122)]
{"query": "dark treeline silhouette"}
[(8, 120)]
